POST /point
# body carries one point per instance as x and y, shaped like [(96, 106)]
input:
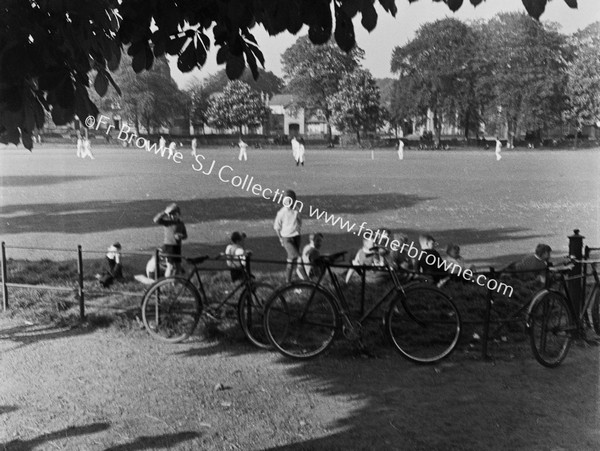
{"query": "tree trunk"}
[(437, 125), (467, 124), (329, 131), (358, 136)]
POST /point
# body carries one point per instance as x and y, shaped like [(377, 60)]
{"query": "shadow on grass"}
[(71, 431), (7, 409), (40, 180), (65, 326), (165, 441), (100, 216)]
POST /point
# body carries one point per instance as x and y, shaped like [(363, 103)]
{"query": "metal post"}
[(576, 285), (80, 273), (4, 277), (486, 320), (362, 292), (157, 265)]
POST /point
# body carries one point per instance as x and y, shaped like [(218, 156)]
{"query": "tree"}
[(267, 82), (237, 106), (48, 48), (583, 86), (151, 98), (526, 72), (313, 73), (357, 106), (436, 69)]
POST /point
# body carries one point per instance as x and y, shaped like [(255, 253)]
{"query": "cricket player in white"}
[(400, 149)]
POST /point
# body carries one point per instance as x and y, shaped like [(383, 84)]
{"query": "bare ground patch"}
[(77, 388)]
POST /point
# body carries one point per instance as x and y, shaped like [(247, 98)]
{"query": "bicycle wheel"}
[(550, 325), (301, 320), (171, 309), (423, 324), (250, 313), (596, 311)]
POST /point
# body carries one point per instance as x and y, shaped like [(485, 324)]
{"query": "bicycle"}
[(172, 306), (552, 320), (303, 318)]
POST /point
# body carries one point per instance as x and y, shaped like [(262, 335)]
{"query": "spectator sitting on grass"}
[(113, 270), (373, 254), (236, 255), (311, 253), (427, 264)]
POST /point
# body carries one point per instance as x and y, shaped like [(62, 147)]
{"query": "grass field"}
[(496, 211), (89, 387)]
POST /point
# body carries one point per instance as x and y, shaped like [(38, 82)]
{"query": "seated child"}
[(535, 263), (400, 260), (453, 256), (236, 255), (311, 253), (373, 254), (112, 266), (364, 257), (429, 265)]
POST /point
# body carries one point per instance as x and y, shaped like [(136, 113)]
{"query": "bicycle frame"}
[(339, 298), (246, 282), (579, 316)]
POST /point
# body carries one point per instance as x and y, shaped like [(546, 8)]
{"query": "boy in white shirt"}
[(287, 226), (311, 253), (236, 255)]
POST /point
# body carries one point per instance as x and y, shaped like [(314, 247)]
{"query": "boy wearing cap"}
[(175, 233), (112, 267), (235, 254), (287, 226)]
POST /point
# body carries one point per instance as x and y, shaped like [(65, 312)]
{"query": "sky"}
[(391, 32)]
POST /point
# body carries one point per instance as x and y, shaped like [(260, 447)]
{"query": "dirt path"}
[(106, 390)]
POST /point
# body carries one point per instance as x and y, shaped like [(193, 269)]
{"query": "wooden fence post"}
[(4, 277), (80, 273)]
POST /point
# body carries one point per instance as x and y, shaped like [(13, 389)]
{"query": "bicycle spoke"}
[(301, 320), (550, 329), (424, 325)]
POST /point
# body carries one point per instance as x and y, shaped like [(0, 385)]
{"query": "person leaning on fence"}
[(534, 265), (287, 225), (310, 255), (175, 233), (113, 270), (235, 253)]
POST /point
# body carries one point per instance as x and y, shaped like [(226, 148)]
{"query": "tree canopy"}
[(313, 73), (236, 106), (436, 69), (49, 49), (356, 105), (583, 87)]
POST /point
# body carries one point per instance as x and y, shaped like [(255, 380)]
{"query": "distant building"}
[(286, 117)]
